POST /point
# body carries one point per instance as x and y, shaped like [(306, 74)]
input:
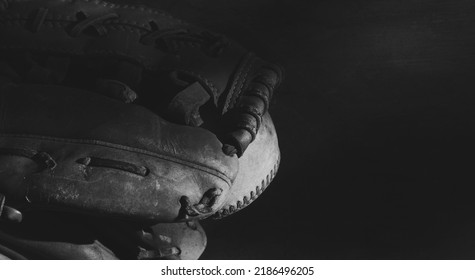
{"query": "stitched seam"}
[(245, 201), (239, 81), (191, 164)]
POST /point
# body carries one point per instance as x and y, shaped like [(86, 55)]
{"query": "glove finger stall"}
[(150, 40)]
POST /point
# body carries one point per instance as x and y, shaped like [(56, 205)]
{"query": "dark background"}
[(375, 122)]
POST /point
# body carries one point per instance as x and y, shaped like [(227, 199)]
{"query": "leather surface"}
[(130, 24), (65, 146), (46, 236), (71, 125), (144, 43), (177, 241), (257, 168), (3, 257)]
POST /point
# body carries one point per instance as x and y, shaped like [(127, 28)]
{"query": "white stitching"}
[(245, 201)]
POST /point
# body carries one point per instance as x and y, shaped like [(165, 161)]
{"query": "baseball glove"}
[(118, 111)]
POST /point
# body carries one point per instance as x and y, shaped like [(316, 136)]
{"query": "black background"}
[(375, 122)]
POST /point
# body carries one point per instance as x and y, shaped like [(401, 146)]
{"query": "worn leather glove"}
[(123, 112)]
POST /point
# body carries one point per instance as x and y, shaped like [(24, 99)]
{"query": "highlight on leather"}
[(79, 151), (257, 168), (124, 113)]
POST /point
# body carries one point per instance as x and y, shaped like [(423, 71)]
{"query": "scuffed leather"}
[(257, 168), (174, 241), (97, 100), (70, 124)]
